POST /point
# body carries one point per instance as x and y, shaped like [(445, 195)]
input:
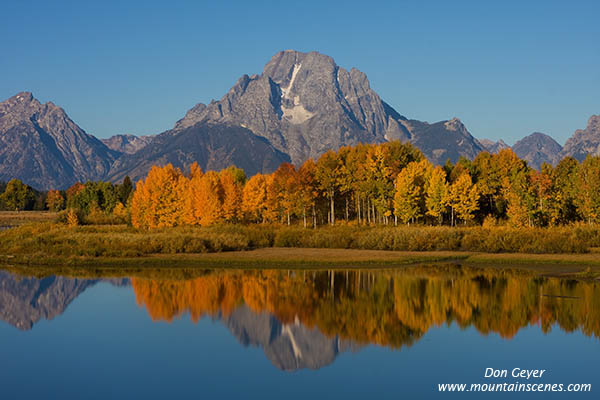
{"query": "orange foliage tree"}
[(254, 198), (158, 200)]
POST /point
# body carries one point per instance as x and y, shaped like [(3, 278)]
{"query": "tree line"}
[(385, 308), (88, 198), (367, 184), (389, 183)]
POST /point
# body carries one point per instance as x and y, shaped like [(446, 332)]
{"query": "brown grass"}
[(17, 218)]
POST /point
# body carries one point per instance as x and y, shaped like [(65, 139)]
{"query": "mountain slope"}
[(43, 147), (538, 148), (213, 147), (127, 144), (444, 140), (493, 147), (584, 141)]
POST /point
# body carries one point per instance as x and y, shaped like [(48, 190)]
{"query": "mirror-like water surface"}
[(274, 333)]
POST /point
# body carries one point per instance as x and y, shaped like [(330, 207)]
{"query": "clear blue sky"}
[(506, 68)]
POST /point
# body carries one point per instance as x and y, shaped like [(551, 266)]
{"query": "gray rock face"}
[(305, 105), (584, 141), (127, 144), (290, 347), (444, 140), (538, 148), (40, 145), (213, 147), (493, 147)]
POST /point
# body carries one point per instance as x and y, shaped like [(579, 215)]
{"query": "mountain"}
[(584, 141), (493, 147), (538, 148), (444, 140), (302, 105), (213, 147), (43, 147), (127, 144)]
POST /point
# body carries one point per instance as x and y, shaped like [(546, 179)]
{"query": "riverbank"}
[(184, 266), (274, 246)]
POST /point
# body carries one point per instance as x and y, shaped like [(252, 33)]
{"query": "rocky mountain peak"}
[(584, 141), (455, 125), (493, 147), (42, 146), (304, 104), (593, 124), (22, 103), (127, 144), (537, 149)]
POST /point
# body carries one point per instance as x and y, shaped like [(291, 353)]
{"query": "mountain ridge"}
[(300, 106), (42, 146)]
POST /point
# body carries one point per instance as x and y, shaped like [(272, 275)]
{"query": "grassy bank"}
[(54, 244), (187, 266), (18, 218)]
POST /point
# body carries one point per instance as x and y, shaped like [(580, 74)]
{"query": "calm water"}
[(294, 334)]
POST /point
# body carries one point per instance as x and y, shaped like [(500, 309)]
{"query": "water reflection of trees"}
[(390, 308)]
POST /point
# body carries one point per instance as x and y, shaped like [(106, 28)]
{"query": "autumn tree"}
[(203, 199), (565, 191), (158, 201), (55, 201), (542, 191), (463, 198), (517, 191), (73, 191), (327, 178), (409, 196), (588, 182), (282, 192), (436, 193), (307, 190), (346, 175), (17, 196), (232, 183), (121, 212), (254, 197)]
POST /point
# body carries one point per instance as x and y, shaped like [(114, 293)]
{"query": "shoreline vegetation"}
[(188, 266), (573, 250)]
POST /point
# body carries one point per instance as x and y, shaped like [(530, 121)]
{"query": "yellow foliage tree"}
[(463, 198), (72, 219), (436, 193), (254, 198), (410, 185), (121, 212)]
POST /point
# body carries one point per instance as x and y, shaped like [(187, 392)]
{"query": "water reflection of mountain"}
[(25, 301), (387, 308), (289, 347), (305, 319)]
